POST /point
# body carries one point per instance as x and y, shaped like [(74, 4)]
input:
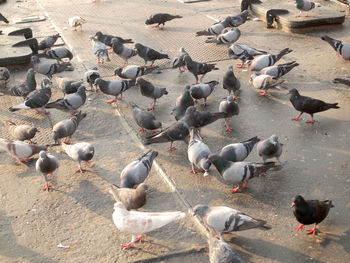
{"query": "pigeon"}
[(80, 152), (230, 82), (197, 68), (20, 150), (70, 102), (270, 148), (308, 105), (68, 86), (310, 212), (263, 61), (57, 53), (203, 90), (202, 118), (114, 87), (149, 54), (215, 29), (145, 119), (160, 19), (230, 107), (4, 74), (182, 103), (264, 82), (90, 76), (237, 20), (122, 51), (36, 99), (278, 71), (239, 173), (342, 49), (48, 42), (108, 39), (198, 153), (132, 198), (66, 128), (228, 36), (137, 223), (26, 87), (76, 21), (100, 50), (244, 53), (221, 252), (224, 219), (4, 19), (49, 68), (137, 171), (21, 132), (149, 90), (132, 71), (304, 5), (46, 164), (179, 62), (238, 152)]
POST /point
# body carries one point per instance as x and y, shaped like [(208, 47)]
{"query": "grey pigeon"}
[(239, 173), (90, 76), (304, 5), (182, 103), (270, 148), (68, 86), (230, 82), (160, 19), (230, 107), (137, 171), (57, 53), (66, 128), (70, 102), (263, 61), (114, 87), (221, 252), (237, 20), (149, 90), (203, 90), (26, 87), (278, 71), (238, 152), (48, 42), (244, 53), (197, 68), (132, 71), (215, 29), (108, 39), (224, 219), (100, 51), (132, 198), (227, 36), (198, 153), (4, 19), (145, 119), (179, 62), (149, 54), (122, 51), (21, 132), (264, 82), (80, 152), (342, 49), (202, 118), (20, 150), (49, 68), (46, 164), (37, 99)]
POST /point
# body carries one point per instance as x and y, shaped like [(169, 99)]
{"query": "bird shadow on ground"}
[(342, 239), (9, 246)]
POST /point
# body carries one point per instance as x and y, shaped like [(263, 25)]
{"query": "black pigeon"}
[(108, 39), (149, 54), (308, 105), (48, 42), (197, 68), (310, 212), (2, 18), (160, 19)]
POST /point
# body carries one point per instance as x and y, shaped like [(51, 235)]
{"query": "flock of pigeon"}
[(131, 194)]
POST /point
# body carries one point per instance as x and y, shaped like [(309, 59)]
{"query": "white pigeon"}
[(20, 150), (264, 82), (137, 223), (79, 152), (76, 21)]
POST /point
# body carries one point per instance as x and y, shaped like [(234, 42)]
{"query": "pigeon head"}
[(201, 210), (140, 81), (298, 200), (42, 154), (230, 99), (219, 162), (148, 22), (187, 87), (118, 71), (97, 81), (153, 154), (138, 45), (182, 50), (33, 131), (98, 34), (294, 92), (35, 59), (190, 110), (230, 68), (46, 83), (81, 89), (274, 139)]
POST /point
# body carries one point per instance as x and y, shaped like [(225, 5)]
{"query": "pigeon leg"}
[(80, 170), (141, 129), (181, 71), (262, 174), (111, 101), (47, 187), (25, 160), (152, 108), (299, 14), (201, 79), (312, 231), (312, 120), (301, 227), (227, 122), (244, 186), (127, 246), (298, 117), (120, 97), (262, 93), (240, 65), (155, 26), (235, 190), (139, 238), (171, 147), (154, 131), (193, 171), (66, 140)]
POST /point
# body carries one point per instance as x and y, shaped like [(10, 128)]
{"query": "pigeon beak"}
[(293, 204)]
